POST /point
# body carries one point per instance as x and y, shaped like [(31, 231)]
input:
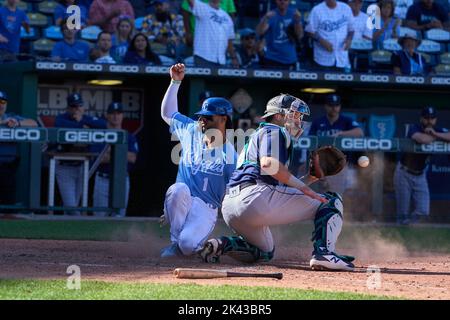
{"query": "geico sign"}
[(232, 72), (303, 75), (132, 69), (87, 67), (85, 136), (440, 81), (366, 144), (199, 71), (437, 146), (51, 66), (405, 79), (20, 134), (160, 70), (268, 74), (338, 77), (374, 78)]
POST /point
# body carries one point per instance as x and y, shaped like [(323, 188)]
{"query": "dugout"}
[(39, 89)]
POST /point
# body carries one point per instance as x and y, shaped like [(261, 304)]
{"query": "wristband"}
[(295, 183), (175, 81)]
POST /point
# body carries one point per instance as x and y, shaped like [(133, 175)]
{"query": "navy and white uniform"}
[(254, 200), (69, 174), (322, 127), (101, 187), (410, 181)]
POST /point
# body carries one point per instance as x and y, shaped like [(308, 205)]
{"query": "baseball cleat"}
[(171, 251), (211, 251), (330, 262)]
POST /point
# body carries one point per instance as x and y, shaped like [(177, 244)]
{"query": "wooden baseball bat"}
[(186, 273)]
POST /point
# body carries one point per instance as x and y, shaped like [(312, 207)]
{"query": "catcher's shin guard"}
[(235, 247)]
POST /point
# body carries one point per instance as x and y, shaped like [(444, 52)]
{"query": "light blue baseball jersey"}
[(205, 171)]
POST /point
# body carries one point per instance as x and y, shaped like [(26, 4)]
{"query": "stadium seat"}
[(391, 45), (437, 35), (166, 61), (138, 23), (429, 59), (406, 30), (382, 127), (428, 46), (442, 70), (361, 45), (158, 48), (359, 54), (90, 33), (53, 33), (21, 5), (47, 7), (38, 19), (444, 58), (189, 61), (31, 36), (380, 61), (43, 46)]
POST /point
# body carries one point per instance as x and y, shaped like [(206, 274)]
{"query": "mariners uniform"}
[(69, 174), (254, 201)]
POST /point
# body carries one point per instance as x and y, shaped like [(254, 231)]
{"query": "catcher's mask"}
[(293, 109)]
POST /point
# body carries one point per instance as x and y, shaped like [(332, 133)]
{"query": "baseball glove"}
[(326, 161)]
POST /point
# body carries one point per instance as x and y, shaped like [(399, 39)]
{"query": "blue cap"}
[(74, 99), (115, 107), (205, 95), (3, 96), (216, 106), (428, 112), (247, 32), (333, 100)]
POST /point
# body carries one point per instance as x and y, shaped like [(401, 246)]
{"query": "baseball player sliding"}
[(206, 164), (262, 192)]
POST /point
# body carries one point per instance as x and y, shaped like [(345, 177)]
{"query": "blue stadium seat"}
[(380, 61), (391, 45), (442, 70), (43, 46), (406, 30), (382, 127), (444, 58), (47, 7), (53, 33), (31, 36), (21, 5), (38, 20), (429, 46), (430, 59), (90, 33), (138, 23), (437, 35)]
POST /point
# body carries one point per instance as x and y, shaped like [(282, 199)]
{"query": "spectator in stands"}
[(8, 151), (189, 19), (331, 26), (69, 49), (214, 33), (360, 21), (401, 7), (408, 61), (250, 51), (106, 13), (61, 12), (69, 173), (114, 120), (104, 45), (410, 178), (166, 28), (140, 52), (11, 19), (426, 15), (122, 38), (282, 29), (334, 124), (390, 25)]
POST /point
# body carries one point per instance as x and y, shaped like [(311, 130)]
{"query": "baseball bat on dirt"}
[(186, 273)]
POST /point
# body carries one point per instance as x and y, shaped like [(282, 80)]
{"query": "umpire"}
[(410, 181)]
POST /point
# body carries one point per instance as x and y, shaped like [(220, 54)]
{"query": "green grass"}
[(97, 290)]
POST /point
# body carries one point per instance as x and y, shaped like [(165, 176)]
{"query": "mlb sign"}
[(52, 101)]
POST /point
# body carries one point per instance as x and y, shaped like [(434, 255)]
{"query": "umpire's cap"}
[(3, 96), (74, 100), (283, 103), (216, 107)]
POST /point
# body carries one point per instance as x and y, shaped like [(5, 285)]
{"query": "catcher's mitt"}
[(326, 161)]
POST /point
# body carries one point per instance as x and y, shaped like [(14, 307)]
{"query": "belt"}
[(242, 186), (413, 172), (103, 174)]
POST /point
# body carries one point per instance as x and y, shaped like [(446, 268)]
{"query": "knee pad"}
[(241, 250), (328, 223)]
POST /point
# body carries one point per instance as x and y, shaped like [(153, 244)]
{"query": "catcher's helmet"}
[(216, 106), (283, 103)]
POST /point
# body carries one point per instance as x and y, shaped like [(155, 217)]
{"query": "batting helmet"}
[(216, 106), (283, 103)]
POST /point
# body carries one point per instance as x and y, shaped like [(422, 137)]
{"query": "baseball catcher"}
[(262, 192)]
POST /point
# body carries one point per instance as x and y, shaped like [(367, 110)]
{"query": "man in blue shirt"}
[(207, 162), (333, 124), (8, 151), (114, 119), (282, 29), (263, 193), (70, 49), (410, 178), (69, 174), (427, 14), (11, 19)]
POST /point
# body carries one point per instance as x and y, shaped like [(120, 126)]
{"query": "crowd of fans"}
[(277, 34)]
